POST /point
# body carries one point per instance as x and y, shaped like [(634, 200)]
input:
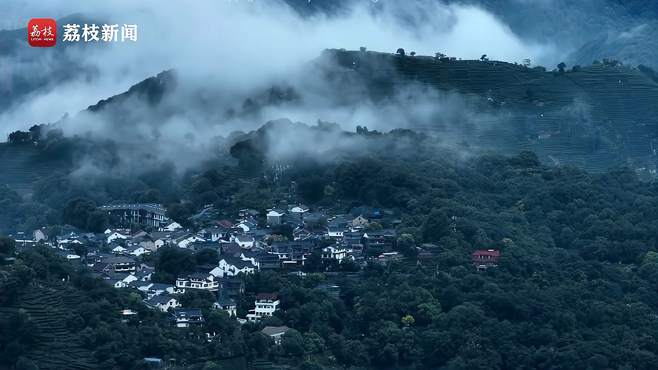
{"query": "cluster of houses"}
[(246, 244)]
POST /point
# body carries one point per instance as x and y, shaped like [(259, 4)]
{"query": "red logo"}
[(42, 32)]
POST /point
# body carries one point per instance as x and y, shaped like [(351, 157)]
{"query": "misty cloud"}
[(224, 52)]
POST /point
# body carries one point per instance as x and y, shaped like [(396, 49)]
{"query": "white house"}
[(123, 283), (247, 225), (274, 217), (359, 222), (275, 332), (335, 231), (244, 241), (153, 289), (121, 264), (119, 250), (61, 243), (225, 303), (215, 233), (148, 245), (115, 235), (172, 227), (336, 252), (185, 242), (300, 209), (197, 281), (138, 251), (252, 259), (185, 318), (39, 235), (159, 243), (231, 266), (162, 302), (265, 306)]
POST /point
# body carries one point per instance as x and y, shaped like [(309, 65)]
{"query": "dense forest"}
[(575, 287)]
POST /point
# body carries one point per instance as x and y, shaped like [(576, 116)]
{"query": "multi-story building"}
[(197, 281), (265, 306), (485, 258), (120, 264), (184, 318), (146, 214), (336, 252)]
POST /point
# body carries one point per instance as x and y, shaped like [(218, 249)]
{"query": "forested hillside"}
[(574, 289)]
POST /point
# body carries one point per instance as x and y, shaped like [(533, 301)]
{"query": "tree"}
[(7, 245), (35, 132), (210, 365), (180, 212), (258, 343), (81, 250), (313, 343), (172, 261), (19, 137), (436, 226), (407, 320), (314, 262), (311, 189), (561, 67), (400, 52), (78, 212), (97, 221), (249, 156), (206, 256), (197, 298), (292, 343), (406, 245), (284, 230)]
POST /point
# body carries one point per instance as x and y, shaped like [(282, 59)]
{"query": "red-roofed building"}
[(485, 258)]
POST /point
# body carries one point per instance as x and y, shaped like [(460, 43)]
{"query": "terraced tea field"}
[(57, 347), (20, 167), (597, 117)]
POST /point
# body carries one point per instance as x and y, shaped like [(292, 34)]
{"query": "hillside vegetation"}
[(22, 165), (594, 116), (574, 289)]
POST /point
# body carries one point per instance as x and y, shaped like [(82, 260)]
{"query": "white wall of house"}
[(172, 303), (263, 309), (115, 236), (203, 284)]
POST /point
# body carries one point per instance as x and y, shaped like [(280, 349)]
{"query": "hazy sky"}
[(243, 44), (236, 47)]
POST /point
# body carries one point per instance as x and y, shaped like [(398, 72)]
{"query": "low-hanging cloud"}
[(226, 51)]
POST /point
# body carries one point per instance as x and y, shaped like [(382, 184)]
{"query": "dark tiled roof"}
[(159, 299), (267, 296), (150, 207), (274, 330)]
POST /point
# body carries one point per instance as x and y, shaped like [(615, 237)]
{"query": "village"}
[(285, 238)]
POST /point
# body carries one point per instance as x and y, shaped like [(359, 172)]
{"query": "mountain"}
[(593, 116), (637, 46), (622, 30)]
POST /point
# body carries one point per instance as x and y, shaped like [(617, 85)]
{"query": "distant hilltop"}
[(594, 116)]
